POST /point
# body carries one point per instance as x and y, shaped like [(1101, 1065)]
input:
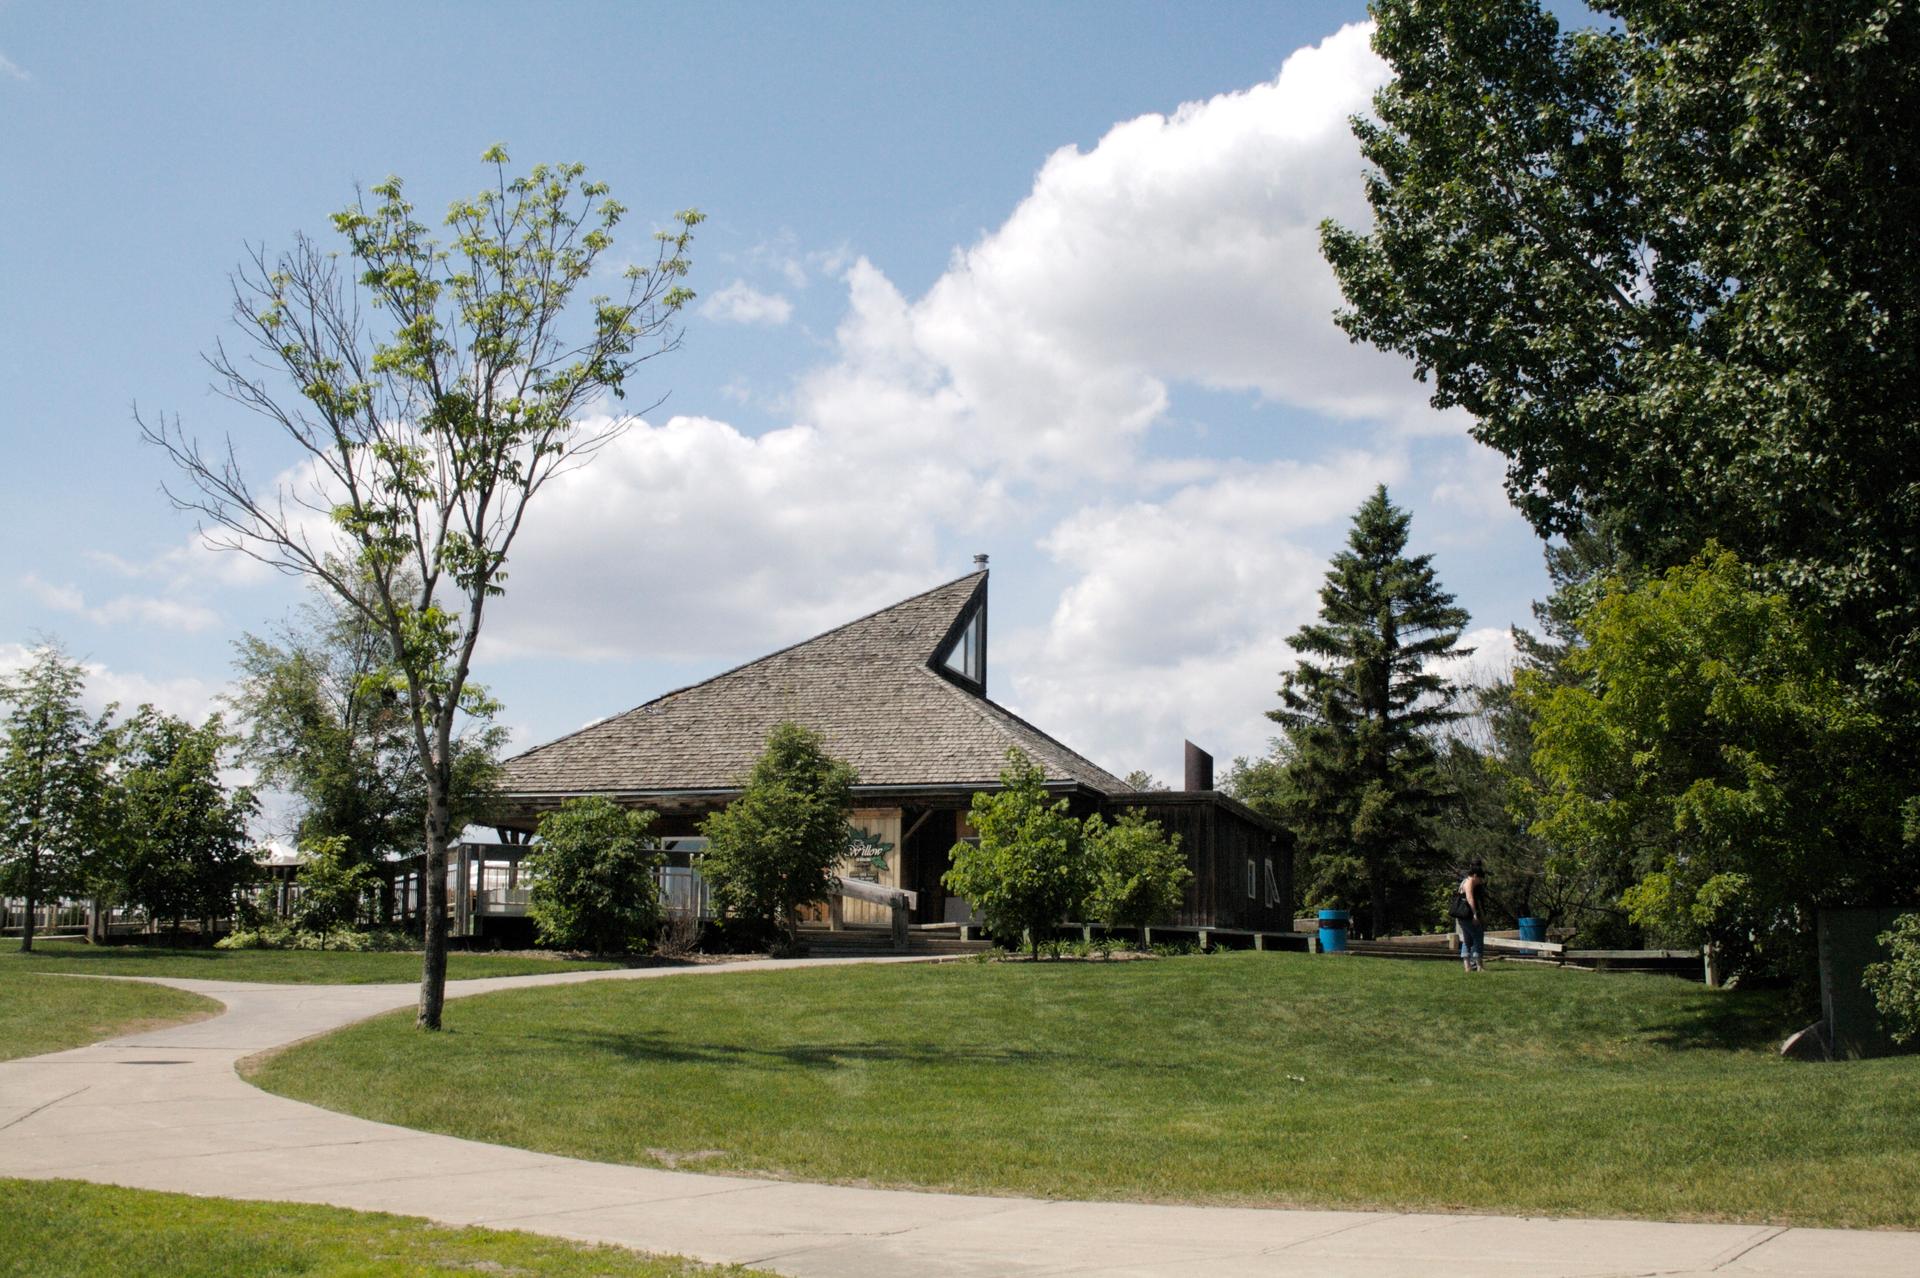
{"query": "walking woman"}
[(1472, 924)]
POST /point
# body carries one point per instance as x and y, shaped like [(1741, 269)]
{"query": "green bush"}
[(279, 934), (266, 934), (591, 878), (777, 847), (1140, 876), (333, 886), (1895, 984), (1030, 869)]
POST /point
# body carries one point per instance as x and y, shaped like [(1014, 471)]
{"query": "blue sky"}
[(974, 279)]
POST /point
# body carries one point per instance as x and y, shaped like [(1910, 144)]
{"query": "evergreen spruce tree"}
[(1359, 710)]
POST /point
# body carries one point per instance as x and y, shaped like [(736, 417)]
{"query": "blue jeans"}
[(1473, 941)]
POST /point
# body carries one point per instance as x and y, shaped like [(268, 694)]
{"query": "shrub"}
[(1030, 869), (279, 934), (1895, 984), (777, 846), (1140, 877), (591, 878), (332, 886), (266, 934)]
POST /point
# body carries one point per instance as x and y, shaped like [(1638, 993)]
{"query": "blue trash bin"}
[(1333, 931), (1533, 929)]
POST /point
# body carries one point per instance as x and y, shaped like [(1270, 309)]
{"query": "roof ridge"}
[(748, 665)]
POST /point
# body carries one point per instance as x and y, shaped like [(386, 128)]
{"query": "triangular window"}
[(967, 657)]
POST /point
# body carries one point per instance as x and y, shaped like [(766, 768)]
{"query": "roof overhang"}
[(530, 805), (1199, 798)]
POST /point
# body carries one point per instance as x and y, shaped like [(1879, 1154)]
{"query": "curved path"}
[(165, 1110)]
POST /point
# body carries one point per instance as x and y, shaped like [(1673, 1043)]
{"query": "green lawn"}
[(50, 1014), (1250, 1078), (66, 1229), (287, 967)]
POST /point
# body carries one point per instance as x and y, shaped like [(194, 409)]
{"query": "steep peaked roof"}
[(869, 688)]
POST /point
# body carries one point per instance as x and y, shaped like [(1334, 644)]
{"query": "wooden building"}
[(901, 695)]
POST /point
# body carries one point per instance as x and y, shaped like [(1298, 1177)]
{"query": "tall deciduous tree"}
[(423, 449), (1710, 752), (53, 782), (1359, 709), (1669, 268), (323, 721), (777, 846)]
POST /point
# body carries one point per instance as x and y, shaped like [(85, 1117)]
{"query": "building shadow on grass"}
[(115, 955), (1733, 1021), (647, 1047)]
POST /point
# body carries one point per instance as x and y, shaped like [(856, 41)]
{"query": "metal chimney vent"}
[(1199, 768)]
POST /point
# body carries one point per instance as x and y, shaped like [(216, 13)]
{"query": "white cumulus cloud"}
[(741, 303), (163, 612), (1176, 622), (1012, 399), (185, 696)]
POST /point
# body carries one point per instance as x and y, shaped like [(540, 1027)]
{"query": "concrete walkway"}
[(165, 1110)]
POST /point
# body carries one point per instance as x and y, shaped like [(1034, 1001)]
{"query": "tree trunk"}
[(32, 891), (433, 930)]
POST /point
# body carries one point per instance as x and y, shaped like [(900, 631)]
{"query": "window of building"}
[(967, 656)]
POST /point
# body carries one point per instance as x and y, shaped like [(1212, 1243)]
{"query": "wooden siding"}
[(883, 824), (1223, 846)]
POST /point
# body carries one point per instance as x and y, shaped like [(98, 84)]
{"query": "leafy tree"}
[(1579, 568), (1140, 874), (776, 847), (423, 449), (1710, 752), (334, 884), (1141, 779), (1263, 784), (183, 846), (324, 722), (1488, 761), (53, 761), (1030, 869), (1895, 983), (591, 877), (1359, 710), (1668, 268), (1486, 766)]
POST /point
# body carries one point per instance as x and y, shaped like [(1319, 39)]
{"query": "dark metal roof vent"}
[(1199, 768), (979, 561)]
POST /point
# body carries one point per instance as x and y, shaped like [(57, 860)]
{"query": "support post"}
[(462, 900), (900, 936)]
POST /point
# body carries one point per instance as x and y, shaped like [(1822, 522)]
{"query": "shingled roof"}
[(873, 689)]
